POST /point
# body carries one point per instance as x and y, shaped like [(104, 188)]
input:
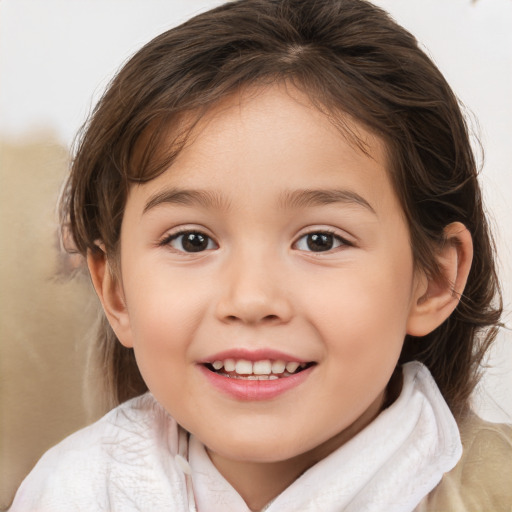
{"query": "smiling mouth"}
[(257, 370)]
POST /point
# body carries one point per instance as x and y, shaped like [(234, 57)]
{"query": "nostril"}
[(267, 318)]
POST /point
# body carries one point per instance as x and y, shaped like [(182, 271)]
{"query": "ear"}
[(437, 297), (110, 293)]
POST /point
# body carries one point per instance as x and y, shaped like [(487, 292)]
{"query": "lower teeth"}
[(254, 377)]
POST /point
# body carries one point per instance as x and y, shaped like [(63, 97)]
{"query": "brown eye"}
[(319, 242), (192, 241)]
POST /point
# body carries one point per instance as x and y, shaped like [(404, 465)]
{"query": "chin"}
[(258, 450)]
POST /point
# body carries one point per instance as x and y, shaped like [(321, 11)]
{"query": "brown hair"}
[(349, 57)]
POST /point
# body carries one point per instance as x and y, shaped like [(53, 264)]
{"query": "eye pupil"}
[(320, 242), (194, 242)]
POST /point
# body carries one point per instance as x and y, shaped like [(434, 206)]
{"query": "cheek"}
[(363, 312), (164, 311)]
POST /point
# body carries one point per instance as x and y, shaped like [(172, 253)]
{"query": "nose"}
[(254, 291)]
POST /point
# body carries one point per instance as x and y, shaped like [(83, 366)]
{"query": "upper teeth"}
[(264, 367)]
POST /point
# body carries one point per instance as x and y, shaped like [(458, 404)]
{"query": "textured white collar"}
[(390, 465), (137, 458)]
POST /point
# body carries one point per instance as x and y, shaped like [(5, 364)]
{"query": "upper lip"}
[(260, 354)]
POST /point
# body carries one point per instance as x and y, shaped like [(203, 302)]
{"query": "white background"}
[(56, 57)]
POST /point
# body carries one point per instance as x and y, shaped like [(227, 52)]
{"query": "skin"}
[(259, 286)]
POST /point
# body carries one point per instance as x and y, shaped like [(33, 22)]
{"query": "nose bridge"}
[(253, 288)]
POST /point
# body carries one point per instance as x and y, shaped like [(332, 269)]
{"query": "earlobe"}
[(110, 293), (437, 297)]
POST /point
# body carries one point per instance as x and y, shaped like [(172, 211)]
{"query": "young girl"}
[(280, 213)]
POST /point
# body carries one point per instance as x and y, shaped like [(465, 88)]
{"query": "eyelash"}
[(167, 241), (335, 238), (342, 242)]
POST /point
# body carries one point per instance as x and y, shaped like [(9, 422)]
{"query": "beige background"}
[(45, 317), (55, 58)]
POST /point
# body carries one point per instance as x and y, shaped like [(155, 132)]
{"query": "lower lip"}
[(243, 389)]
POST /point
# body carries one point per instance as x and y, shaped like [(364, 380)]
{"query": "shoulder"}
[(486, 464), (125, 457), (481, 479)]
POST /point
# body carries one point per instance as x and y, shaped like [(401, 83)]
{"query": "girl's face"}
[(267, 280)]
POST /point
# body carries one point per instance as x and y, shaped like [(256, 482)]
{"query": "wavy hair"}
[(349, 57)]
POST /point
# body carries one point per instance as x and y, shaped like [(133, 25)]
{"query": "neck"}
[(258, 483)]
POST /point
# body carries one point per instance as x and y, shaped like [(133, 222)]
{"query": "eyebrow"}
[(288, 199), (309, 198), (203, 198)]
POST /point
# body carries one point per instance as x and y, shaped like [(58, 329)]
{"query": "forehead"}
[(285, 109), (261, 137)]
